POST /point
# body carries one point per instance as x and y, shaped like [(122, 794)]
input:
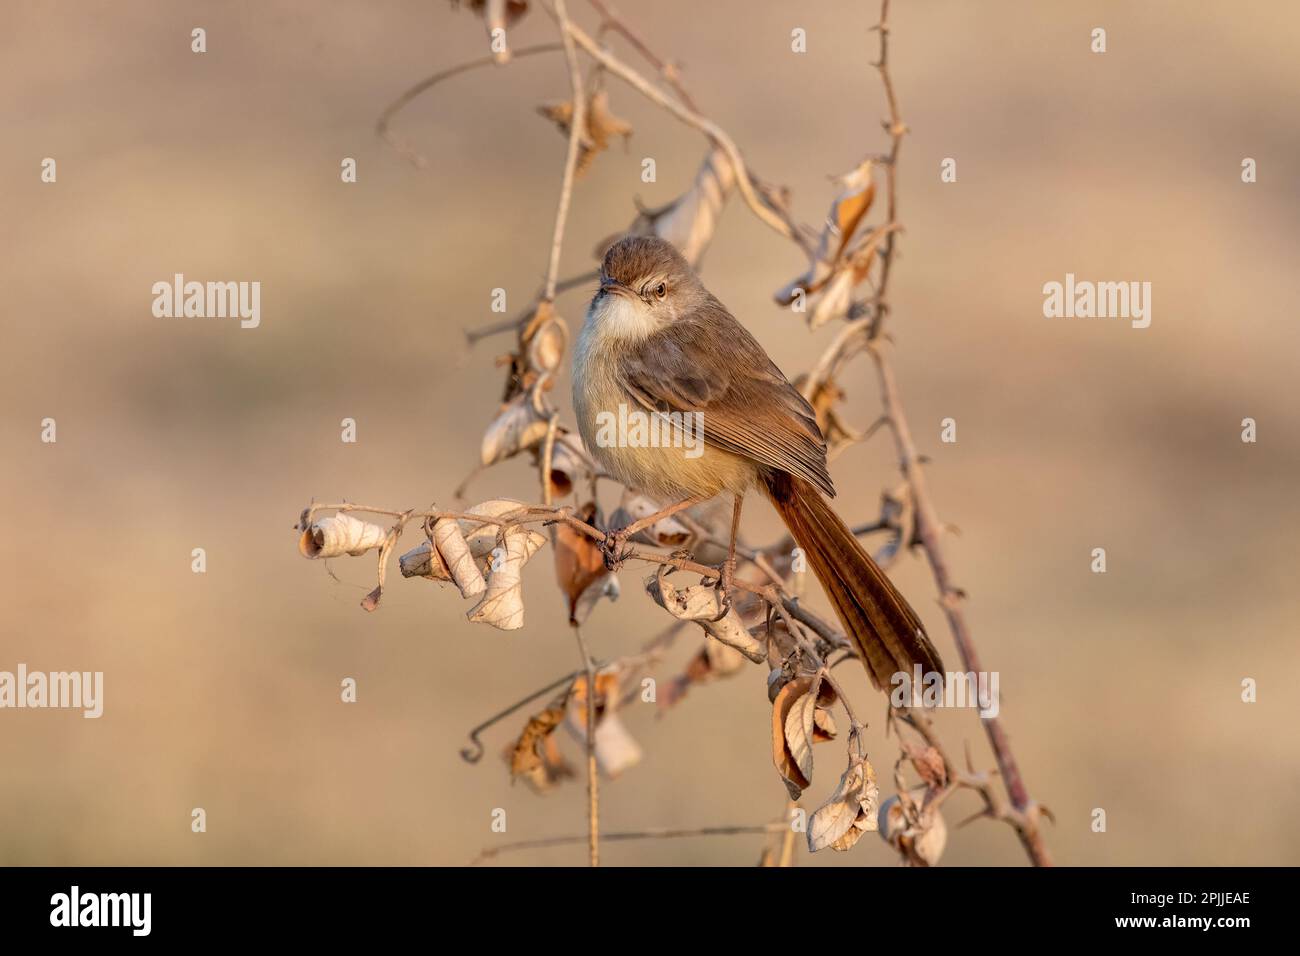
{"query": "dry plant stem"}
[(473, 751), (996, 806), (691, 118), (536, 514), (658, 834), (850, 334), (548, 454), (773, 596), (474, 336), (385, 118), (593, 779), (928, 530), (896, 129), (577, 130), (863, 330), (612, 21), (928, 526), (769, 196), (787, 840)]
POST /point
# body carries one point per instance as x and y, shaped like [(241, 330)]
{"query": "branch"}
[(657, 834), (777, 220), (928, 526), (577, 129), (610, 20), (385, 118), (928, 530)]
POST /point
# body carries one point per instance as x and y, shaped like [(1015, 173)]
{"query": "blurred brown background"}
[(1121, 690)]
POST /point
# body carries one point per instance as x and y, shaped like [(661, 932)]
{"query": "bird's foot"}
[(726, 579), (614, 548)]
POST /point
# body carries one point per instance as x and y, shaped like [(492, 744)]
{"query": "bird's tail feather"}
[(882, 625)]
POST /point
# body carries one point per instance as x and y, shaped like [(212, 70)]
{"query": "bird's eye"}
[(661, 290)]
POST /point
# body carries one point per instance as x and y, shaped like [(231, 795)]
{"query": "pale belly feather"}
[(670, 471)]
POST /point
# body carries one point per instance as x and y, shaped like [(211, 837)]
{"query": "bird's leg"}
[(612, 547), (728, 571)]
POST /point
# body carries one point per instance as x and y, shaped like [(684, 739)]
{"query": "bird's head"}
[(645, 284)]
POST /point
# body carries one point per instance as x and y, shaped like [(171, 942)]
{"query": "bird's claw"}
[(726, 573), (614, 549)]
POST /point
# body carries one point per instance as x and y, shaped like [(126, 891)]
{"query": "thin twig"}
[(687, 115), (655, 834), (593, 778), (577, 130), (928, 531), (473, 751), (385, 118), (896, 129), (668, 71)]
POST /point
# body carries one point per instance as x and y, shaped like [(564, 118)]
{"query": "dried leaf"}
[(568, 467), (919, 844), (340, 534), (519, 425), (542, 341), (928, 763), (615, 748), (849, 812), (600, 126), (526, 755), (701, 604), (713, 661), (835, 301), (795, 781), (423, 561), (857, 190), (580, 568), (502, 604), (799, 733), (482, 538), (456, 555), (607, 588), (781, 645), (724, 660), (823, 726), (689, 221)]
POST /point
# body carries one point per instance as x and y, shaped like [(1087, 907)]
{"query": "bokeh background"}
[(1121, 691)]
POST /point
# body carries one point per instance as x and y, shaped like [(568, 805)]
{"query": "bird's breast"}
[(663, 454)]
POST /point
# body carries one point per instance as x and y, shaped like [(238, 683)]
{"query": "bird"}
[(657, 343)]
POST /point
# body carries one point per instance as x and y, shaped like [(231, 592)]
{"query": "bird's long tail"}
[(886, 631)]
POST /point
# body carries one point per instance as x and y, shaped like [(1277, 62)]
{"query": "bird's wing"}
[(708, 362)]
